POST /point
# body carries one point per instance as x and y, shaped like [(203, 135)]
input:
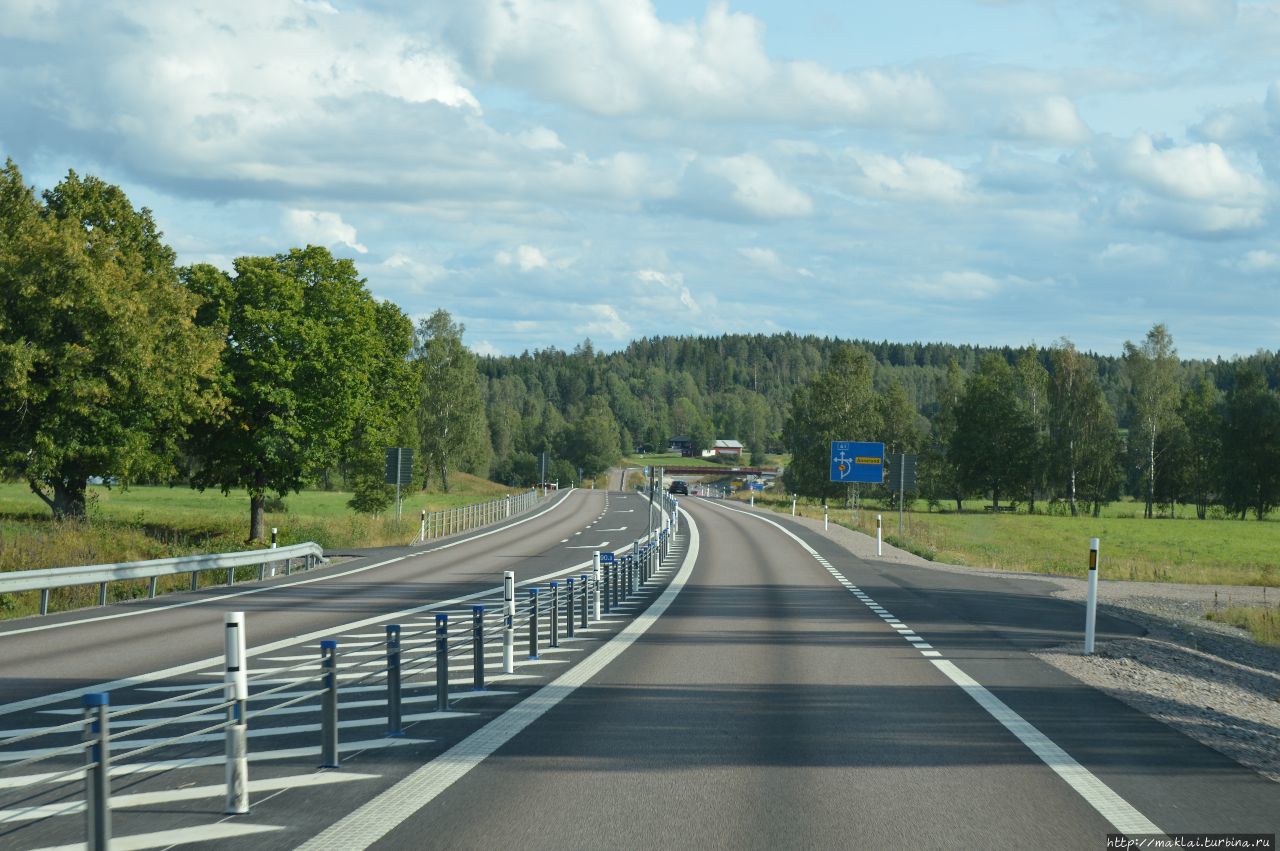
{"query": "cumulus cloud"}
[(320, 228), (525, 257), (1191, 14), (602, 320), (1127, 252), (618, 58), (739, 186), (1052, 120), (909, 178), (955, 286)]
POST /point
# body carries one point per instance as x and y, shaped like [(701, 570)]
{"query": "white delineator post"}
[(236, 689), (793, 505), (824, 518), (422, 530), (879, 539), (1091, 605), (509, 622)]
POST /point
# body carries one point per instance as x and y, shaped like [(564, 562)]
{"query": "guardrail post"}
[(533, 623), (477, 648), (195, 579), (595, 582), (393, 681), (442, 662), (568, 621), (44, 600), (509, 622), (151, 588), (236, 681), (102, 593), (97, 775), (555, 614), (231, 575), (329, 703)]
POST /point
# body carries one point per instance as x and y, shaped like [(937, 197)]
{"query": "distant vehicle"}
[(678, 486)]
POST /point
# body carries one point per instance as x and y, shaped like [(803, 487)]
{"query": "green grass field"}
[(1228, 552)]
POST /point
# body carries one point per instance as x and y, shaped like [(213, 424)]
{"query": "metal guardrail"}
[(104, 574), (411, 661)]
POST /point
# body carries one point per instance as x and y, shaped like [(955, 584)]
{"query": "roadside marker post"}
[(568, 621), (393, 681), (1091, 605), (555, 613), (879, 538), (595, 584), (533, 623), (586, 594), (509, 622), (793, 505), (97, 775), (236, 684), (422, 530), (825, 516)]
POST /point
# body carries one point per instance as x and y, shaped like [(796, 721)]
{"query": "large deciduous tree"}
[(994, 436), (302, 350), (1082, 427), (102, 366), (1152, 369), (452, 429), (838, 404), (1251, 445)]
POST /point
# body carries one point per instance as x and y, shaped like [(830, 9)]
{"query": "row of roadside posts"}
[(580, 600)]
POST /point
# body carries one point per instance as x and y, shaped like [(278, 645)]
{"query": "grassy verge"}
[(1262, 624), (159, 522), (1225, 552)]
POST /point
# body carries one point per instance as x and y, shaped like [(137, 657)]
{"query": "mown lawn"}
[(1231, 552)]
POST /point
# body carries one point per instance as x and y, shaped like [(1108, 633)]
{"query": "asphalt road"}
[(772, 690)]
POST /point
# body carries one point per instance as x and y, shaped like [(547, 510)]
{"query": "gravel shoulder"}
[(1211, 681)]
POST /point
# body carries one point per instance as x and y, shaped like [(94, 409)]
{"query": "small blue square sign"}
[(606, 558)]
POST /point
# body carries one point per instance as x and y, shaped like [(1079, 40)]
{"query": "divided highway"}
[(767, 690)]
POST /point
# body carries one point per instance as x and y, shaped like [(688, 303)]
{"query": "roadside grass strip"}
[(1115, 809), (380, 816)]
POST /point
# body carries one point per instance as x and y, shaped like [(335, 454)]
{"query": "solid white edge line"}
[(1115, 809), (179, 670), (1100, 796), (378, 817)]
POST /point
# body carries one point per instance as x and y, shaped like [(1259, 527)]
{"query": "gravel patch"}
[(1209, 680)]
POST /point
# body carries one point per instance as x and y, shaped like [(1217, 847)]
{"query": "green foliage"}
[(1251, 446), (102, 366), (303, 348), (838, 404), (1083, 443), (994, 439), (452, 430), (1152, 370), (384, 419)]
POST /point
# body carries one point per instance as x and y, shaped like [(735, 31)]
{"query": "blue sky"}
[(994, 172)]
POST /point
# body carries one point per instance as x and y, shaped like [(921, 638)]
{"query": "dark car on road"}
[(678, 487)]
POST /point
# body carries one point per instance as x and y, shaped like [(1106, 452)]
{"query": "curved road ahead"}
[(768, 690)]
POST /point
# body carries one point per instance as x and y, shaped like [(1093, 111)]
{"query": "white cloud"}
[(955, 286), (540, 139), (1191, 14), (618, 58), (484, 348), (320, 228), (1053, 120), (911, 178), (673, 282), (1200, 172), (764, 258), (603, 321), (405, 265), (1259, 260), (751, 185), (526, 257), (1127, 252)]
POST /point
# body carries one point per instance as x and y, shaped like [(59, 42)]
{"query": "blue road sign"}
[(607, 558), (852, 461)]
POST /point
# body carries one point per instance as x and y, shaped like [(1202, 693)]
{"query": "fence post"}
[(509, 622), (97, 776), (393, 681), (236, 682), (477, 648), (442, 662), (533, 623), (555, 614), (329, 703)]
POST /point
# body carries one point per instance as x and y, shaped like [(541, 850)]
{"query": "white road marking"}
[(182, 836), (1115, 809), (384, 813), (191, 793)]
